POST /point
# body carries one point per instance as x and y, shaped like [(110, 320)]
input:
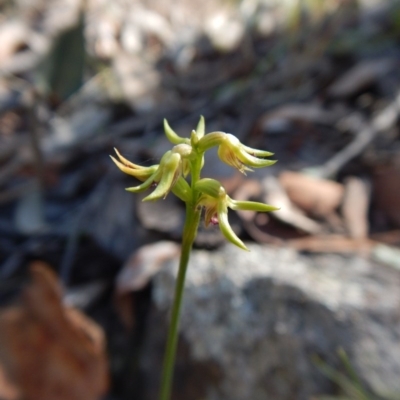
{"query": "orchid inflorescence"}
[(187, 158)]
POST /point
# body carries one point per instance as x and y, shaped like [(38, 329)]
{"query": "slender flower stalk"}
[(187, 158)]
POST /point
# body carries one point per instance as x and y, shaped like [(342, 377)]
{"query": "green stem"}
[(189, 234)]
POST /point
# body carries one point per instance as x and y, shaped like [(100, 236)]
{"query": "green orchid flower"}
[(164, 176), (216, 202), (232, 152)]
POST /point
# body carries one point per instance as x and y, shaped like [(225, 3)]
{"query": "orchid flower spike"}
[(216, 202)]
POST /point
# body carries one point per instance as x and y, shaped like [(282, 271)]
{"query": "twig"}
[(381, 122)]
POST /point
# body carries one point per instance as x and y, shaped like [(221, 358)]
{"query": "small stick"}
[(381, 122)]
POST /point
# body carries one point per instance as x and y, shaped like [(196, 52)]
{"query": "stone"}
[(253, 323)]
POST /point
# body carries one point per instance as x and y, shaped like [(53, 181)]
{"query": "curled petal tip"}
[(139, 172), (171, 135)]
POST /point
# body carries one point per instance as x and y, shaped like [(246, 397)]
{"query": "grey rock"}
[(252, 323)]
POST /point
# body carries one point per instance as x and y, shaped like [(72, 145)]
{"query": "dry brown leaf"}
[(143, 264), (50, 351), (319, 197), (8, 389), (275, 194), (136, 273), (332, 244), (355, 207)]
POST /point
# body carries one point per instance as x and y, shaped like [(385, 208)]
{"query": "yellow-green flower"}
[(216, 202), (234, 153), (164, 176)]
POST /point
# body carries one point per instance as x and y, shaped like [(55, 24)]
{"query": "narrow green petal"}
[(124, 168), (227, 156), (226, 229), (251, 206), (141, 173), (194, 139), (145, 185), (254, 162), (171, 135), (201, 128), (256, 152), (125, 161), (162, 189)]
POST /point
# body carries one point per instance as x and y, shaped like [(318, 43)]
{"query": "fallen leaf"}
[(332, 244), (136, 273), (355, 207), (275, 194), (70, 347), (8, 389), (315, 196), (60, 74), (143, 264)]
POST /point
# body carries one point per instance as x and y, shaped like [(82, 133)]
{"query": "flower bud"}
[(201, 128)]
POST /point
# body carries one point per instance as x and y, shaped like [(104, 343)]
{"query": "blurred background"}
[(87, 270)]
